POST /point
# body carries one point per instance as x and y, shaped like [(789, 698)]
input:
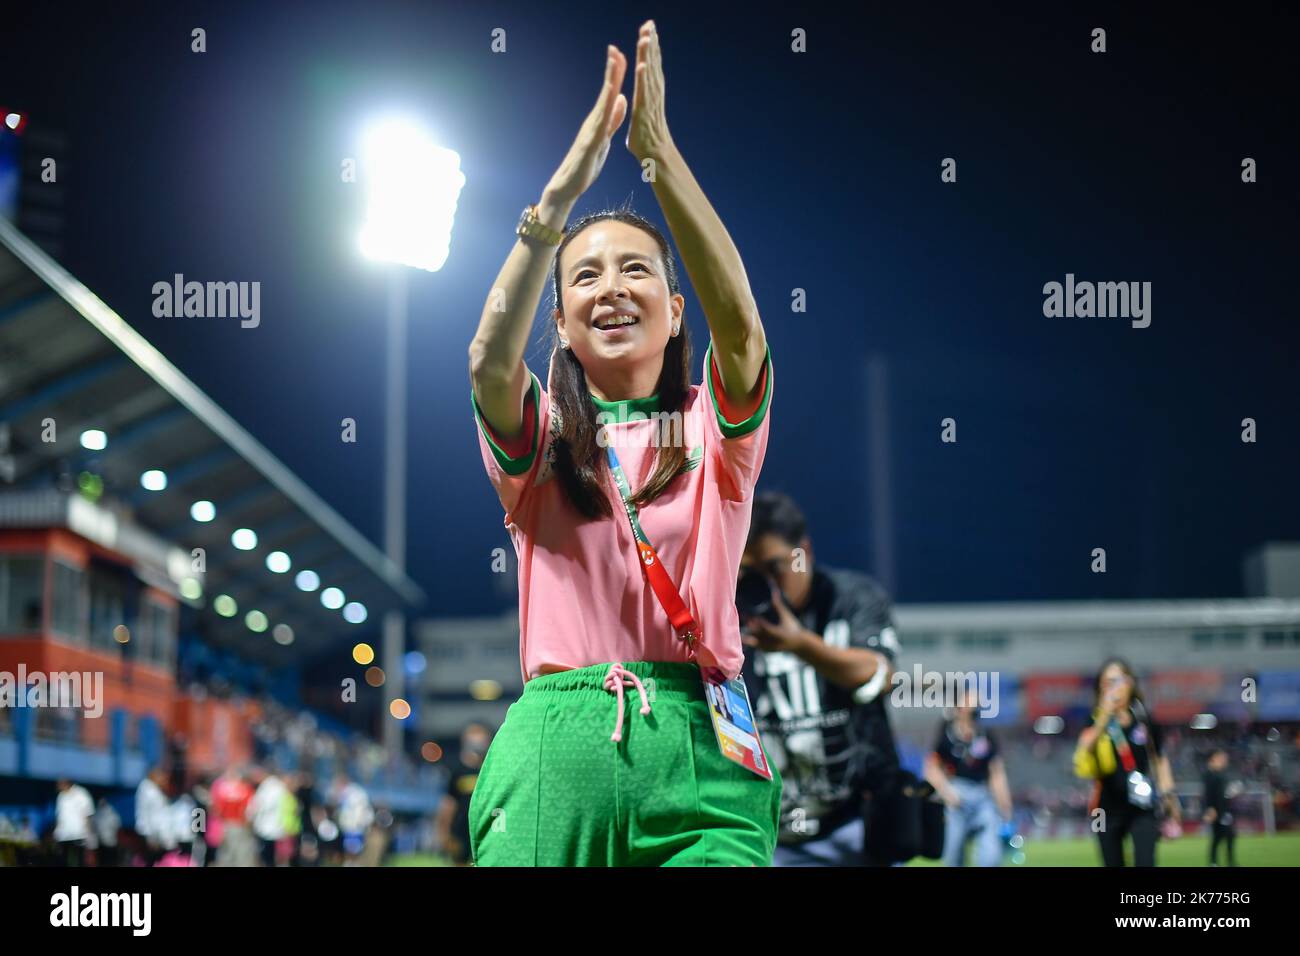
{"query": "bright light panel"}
[(412, 187), (153, 480), (94, 439)]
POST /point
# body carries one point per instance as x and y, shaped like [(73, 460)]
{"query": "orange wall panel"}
[(218, 733)]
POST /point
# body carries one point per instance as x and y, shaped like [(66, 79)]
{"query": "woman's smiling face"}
[(610, 273)]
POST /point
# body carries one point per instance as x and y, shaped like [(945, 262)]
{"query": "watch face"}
[(529, 225)]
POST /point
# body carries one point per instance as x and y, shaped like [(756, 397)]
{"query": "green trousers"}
[(555, 790)]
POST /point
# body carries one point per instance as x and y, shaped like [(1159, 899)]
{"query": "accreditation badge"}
[(733, 723)]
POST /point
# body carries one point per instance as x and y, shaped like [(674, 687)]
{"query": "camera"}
[(1140, 791), (754, 596)]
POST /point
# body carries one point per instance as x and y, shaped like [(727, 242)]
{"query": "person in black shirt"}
[(452, 824), (306, 850), (816, 680), (967, 771), (1121, 750), (1218, 811)]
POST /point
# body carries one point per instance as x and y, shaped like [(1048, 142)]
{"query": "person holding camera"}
[(967, 771), (1121, 750), (824, 646)]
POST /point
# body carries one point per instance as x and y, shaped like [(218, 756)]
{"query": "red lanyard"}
[(662, 585), (1121, 745)]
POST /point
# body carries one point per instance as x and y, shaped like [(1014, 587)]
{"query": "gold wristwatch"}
[(531, 226)]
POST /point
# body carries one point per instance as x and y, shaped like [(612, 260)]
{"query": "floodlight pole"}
[(395, 495)]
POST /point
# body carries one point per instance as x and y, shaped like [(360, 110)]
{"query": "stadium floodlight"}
[(154, 480), (412, 187), (94, 440)]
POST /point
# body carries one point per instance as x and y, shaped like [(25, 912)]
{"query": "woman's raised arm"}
[(710, 257), (496, 355)]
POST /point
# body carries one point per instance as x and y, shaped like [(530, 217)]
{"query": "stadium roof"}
[(66, 355), (1049, 616)]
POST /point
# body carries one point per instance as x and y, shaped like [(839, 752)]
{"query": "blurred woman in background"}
[(1121, 751)]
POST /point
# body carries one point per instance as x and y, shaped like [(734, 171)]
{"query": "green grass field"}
[(416, 859), (1280, 850)]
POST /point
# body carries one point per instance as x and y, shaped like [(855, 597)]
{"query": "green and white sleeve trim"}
[(513, 466), (739, 429)]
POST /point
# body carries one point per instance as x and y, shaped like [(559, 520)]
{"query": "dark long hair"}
[(580, 461), (1136, 701)]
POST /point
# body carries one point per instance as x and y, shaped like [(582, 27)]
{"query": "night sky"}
[(1073, 433)]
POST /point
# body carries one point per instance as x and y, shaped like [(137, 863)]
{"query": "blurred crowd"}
[(296, 737), (1050, 801), (247, 816), (301, 801)]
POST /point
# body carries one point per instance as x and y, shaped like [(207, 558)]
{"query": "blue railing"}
[(24, 753)]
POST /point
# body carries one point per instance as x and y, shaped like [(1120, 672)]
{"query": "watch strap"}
[(532, 226)]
